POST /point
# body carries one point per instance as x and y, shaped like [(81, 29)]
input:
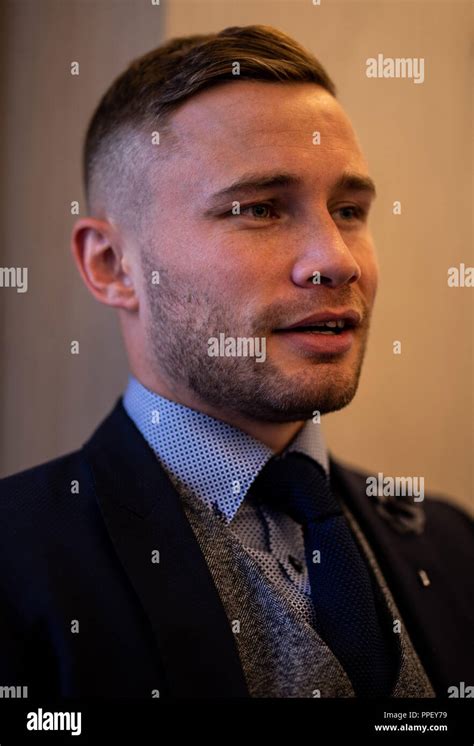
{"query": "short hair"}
[(143, 98)]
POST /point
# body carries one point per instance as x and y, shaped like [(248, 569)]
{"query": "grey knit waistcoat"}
[(281, 654)]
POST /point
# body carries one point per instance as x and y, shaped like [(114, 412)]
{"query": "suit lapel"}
[(144, 516)]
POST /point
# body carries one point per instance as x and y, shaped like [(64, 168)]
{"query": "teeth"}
[(323, 327), (331, 324)]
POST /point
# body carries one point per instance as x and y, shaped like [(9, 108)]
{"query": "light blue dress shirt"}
[(218, 463)]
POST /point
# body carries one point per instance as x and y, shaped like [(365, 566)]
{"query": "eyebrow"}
[(258, 182), (353, 182)]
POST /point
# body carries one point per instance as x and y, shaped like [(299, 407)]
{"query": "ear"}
[(98, 253)]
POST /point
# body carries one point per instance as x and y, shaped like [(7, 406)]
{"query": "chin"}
[(300, 401)]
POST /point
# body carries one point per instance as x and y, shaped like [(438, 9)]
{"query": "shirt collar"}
[(214, 460)]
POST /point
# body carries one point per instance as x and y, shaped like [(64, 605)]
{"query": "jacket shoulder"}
[(40, 480)]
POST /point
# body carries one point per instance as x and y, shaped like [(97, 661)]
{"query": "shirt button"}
[(295, 563)]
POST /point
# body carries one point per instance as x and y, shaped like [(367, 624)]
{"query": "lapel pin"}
[(423, 575)]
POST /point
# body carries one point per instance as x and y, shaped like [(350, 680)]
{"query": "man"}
[(202, 543)]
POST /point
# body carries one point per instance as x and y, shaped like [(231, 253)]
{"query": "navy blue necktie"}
[(348, 616)]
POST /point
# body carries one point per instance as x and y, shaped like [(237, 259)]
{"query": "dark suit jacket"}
[(86, 557)]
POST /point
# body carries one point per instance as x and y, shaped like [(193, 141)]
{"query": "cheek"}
[(238, 272), (369, 267), (372, 279)]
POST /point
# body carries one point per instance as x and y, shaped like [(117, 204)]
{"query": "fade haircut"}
[(118, 147)]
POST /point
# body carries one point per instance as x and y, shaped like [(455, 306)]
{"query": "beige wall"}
[(413, 414), (50, 399)]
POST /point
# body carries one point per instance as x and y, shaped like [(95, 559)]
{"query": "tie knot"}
[(297, 485)]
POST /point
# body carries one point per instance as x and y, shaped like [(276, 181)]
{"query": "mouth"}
[(323, 327), (329, 333), (325, 322)]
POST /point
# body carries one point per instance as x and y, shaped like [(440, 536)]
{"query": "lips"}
[(325, 322), (324, 335)]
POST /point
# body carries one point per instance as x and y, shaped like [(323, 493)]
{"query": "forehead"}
[(236, 126)]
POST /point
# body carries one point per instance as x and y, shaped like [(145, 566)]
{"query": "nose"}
[(324, 258)]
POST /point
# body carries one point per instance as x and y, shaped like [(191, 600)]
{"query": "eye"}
[(351, 212), (259, 210)]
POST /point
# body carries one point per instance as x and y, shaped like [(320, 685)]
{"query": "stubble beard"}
[(182, 320)]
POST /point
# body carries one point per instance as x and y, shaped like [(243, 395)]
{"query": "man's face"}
[(299, 248)]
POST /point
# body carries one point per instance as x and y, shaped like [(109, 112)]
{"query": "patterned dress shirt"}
[(218, 463)]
